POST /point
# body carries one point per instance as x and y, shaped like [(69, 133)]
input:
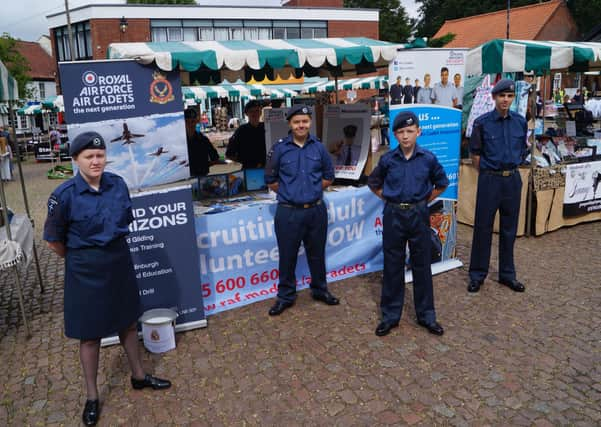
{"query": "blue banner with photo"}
[(138, 111)]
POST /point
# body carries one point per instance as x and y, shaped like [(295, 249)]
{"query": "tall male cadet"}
[(298, 169), (498, 147), (407, 178)]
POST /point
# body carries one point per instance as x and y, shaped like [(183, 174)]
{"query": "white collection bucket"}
[(158, 329)]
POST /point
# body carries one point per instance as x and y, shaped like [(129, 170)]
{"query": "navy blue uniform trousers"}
[(293, 226), (502, 193), (402, 226)]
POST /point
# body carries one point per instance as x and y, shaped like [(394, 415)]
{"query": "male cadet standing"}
[(443, 92), (298, 169), (396, 92), (498, 147), (407, 92), (247, 145), (407, 178)]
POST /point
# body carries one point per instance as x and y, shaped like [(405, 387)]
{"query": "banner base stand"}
[(439, 267), (178, 328)]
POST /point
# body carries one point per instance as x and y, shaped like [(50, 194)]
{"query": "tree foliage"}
[(17, 64), (161, 2), (395, 25), (586, 13)]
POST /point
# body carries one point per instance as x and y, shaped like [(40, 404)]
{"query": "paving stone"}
[(507, 359)]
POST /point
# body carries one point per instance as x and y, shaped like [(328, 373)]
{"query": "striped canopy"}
[(3, 109), (54, 103), (260, 57), (232, 92), (506, 56), (376, 82), (30, 109), (9, 90)]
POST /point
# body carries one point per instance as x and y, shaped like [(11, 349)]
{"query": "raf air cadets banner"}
[(431, 82), (138, 111), (238, 253), (163, 251)]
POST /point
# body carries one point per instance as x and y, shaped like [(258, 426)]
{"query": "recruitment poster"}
[(137, 110), (164, 254), (347, 138), (238, 253), (276, 125), (583, 189), (432, 81)]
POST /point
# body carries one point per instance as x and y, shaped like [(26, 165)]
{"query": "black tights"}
[(89, 352)]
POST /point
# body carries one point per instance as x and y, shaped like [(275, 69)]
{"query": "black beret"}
[(86, 140), (251, 104), (404, 119), (435, 207), (190, 113), (504, 85), (298, 109)]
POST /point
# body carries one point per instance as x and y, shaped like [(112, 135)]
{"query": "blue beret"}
[(437, 206), (86, 140), (298, 109), (404, 119), (504, 85)]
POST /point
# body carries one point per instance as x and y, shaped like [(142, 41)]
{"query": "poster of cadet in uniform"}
[(347, 138), (276, 125), (139, 113)]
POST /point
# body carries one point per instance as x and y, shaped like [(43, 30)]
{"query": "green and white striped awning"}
[(233, 92), (30, 110), (375, 82), (506, 56), (257, 57), (54, 103), (3, 109), (9, 90)]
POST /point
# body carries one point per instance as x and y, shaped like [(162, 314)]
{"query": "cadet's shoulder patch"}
[(52, 204)]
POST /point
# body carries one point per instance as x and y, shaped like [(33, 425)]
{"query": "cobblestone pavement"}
[(505, 359)]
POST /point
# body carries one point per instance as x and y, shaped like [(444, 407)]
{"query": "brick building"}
[(550, 20), (94, 26)]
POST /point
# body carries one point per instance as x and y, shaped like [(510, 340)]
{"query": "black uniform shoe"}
[(91, 412), (279, 307), (514, 285), (384, 328), (432, 327), (326, 297), (150, 381), (474, 286)]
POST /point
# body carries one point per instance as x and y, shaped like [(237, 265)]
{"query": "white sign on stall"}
[(347, 139)]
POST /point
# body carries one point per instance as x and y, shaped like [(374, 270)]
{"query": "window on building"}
[(42, 89), (82, 42)]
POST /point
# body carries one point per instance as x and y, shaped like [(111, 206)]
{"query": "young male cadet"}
[(407, 178), (298, 169), (247, 144), (498, 147)]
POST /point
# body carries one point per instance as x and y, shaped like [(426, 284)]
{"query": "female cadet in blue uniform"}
[(498, 147), (87, 222), (407, 178), (298, 169)]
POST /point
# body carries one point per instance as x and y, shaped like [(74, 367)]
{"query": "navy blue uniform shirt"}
[(299, 170), (408, 180), (499, 141), (80, 216)]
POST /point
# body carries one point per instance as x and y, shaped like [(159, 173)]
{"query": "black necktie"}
[(348, 159)]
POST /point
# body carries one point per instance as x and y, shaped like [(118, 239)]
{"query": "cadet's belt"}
[(508, 172), (406, 206), (302, 205)]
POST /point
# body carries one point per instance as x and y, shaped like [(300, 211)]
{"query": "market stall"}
[(16, 239), (546, 177)]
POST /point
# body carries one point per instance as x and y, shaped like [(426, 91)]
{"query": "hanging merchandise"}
[(520, 102), (483, 103)]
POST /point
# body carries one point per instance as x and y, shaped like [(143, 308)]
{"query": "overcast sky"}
[(26, 19)]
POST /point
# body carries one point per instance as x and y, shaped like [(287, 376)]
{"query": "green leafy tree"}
[(395, 26), (161, 1), (16, 63), (586, 13)]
